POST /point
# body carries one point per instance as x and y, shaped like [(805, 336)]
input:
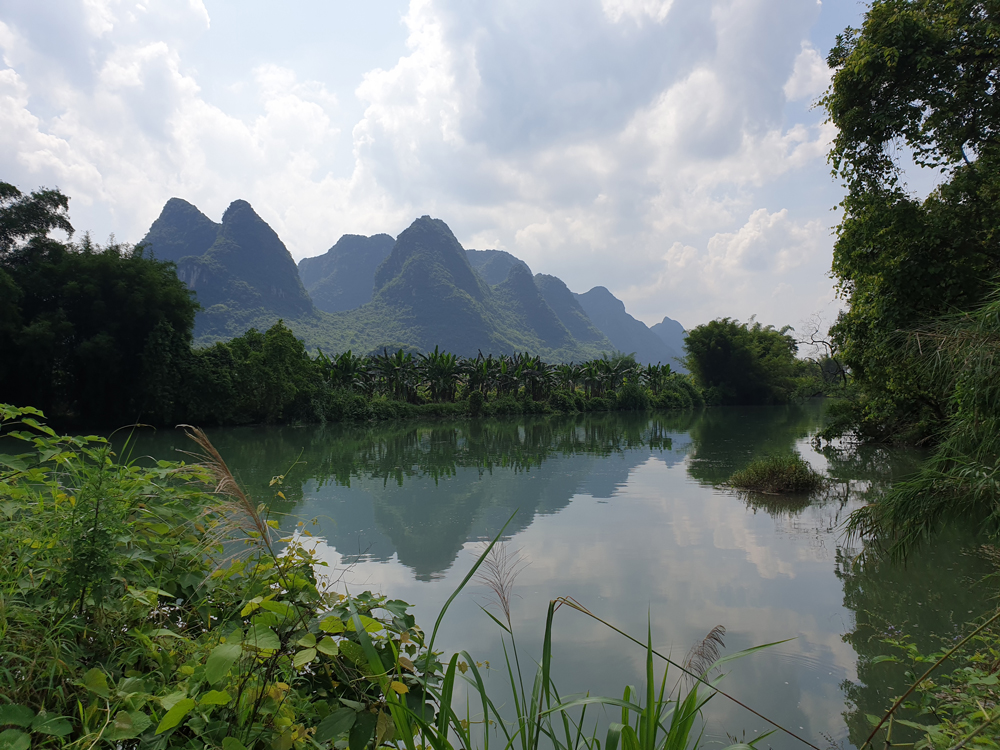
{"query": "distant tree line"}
[(102, 335)]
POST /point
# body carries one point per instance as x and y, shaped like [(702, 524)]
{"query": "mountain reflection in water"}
[(626, 513)]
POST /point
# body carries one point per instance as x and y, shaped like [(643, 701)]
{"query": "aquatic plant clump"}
[(777, 475)]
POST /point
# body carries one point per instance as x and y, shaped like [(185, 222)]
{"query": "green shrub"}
[(598, 403), (631, 397), (476, 401), (563, 401), (776, 475)]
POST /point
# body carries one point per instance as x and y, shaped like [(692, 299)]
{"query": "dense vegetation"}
[(269, 377), (85, 330), (749, 363), (921, 332), (778, 474)]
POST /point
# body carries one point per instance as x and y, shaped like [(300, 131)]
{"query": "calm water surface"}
[(625, 513)]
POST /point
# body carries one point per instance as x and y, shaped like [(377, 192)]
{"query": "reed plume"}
[(237, 511), (499, 570)]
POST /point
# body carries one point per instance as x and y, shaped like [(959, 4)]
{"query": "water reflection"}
[(625, 513)]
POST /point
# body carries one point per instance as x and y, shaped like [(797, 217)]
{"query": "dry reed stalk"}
[(238, 513), (500, 569)]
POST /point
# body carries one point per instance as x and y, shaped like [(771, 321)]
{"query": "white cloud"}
[(637, 10), (622, 143), (771, 266), (810, 76)]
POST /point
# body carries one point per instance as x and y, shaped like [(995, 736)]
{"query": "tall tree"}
[(79, 321), (917, 78), (742, 363)]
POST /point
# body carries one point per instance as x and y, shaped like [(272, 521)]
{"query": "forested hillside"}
[(416, 292)]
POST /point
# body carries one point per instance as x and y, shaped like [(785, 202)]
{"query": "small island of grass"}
[(777, 475)]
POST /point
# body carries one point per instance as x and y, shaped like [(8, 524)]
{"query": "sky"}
[(670, 150)]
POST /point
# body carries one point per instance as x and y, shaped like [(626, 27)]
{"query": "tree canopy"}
[(742, 363), (917, 78), (77, 320)]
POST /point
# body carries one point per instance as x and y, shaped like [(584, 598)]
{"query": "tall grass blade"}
[(462, 585), (573, 604)]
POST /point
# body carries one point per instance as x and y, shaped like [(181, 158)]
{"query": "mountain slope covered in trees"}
[(343, 277), (419, 291), (240, 270), (625, 332)]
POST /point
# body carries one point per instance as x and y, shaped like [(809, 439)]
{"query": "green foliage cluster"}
[(958, 355), (128, 610), (137, 610), (85, 330), (917, 77), (270, 377), (921, 277), (749, 363), (920, 334), (777, 474)]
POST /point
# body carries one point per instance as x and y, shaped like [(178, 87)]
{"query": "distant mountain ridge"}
[(627, 334), (343, 277), (239, 269), (417, 291)]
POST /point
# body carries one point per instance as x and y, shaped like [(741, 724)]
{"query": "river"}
[(626, 513)]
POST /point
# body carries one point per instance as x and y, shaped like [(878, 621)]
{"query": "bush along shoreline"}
[(157, 607), (269, 377)]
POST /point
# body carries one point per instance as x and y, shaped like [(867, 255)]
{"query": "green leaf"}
[(57, 726), (362, 731), (221, 660), (284, 609), (19, 716), (175, 715), (17, 463), (370, 625), (251, 605), (332, 624), (335, 725), (353, 652), (988, 680), (231, 743), (214, 698), (127, 726), (328, 646), (303, 657), (96, 682), (880, 659), (14, 739), (263, 638), (307, 641), (171, 700)]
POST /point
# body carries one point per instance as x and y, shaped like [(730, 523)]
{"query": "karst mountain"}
[(417, 291)]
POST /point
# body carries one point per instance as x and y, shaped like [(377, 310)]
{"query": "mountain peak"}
[(344, 276), (429, 249), (603, 296), (179, 231), (234, 267), (494, 265)]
